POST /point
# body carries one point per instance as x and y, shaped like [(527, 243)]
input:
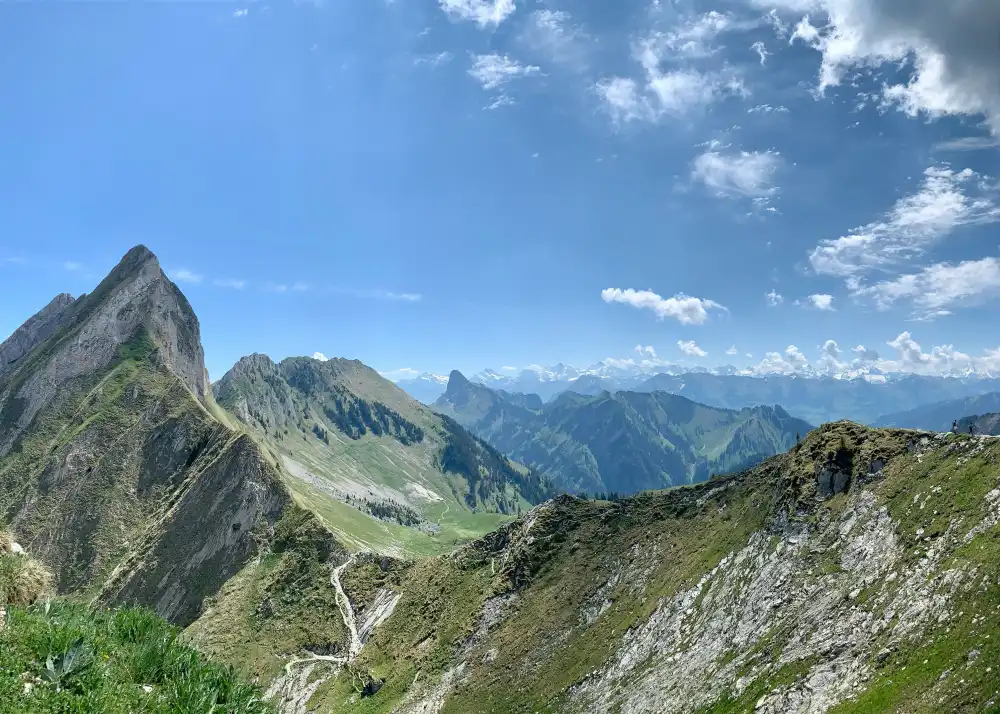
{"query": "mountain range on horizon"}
[(623, 442), (816, 399)]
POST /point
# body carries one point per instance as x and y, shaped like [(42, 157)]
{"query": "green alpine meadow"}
[(303, 536)]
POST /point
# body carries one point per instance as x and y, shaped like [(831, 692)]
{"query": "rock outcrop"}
[(35, 331)]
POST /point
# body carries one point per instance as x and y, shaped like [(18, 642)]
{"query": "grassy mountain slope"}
[(385, 472), (624, 442), (938, 416), (857, 573), (66, 657)]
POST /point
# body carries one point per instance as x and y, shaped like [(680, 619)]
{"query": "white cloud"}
[(279, 288), (668, 89), (791, 362), (183, 275), (821, 301), (694, 39), (501, 100), (320, 356), (864, 354), (433, 60), (946, 201), (509, 369), (761, 49), (969, 143), (732, 351), (829, 360), (553, 34), (937, 289), (402, 297), (231, 283), (773, 298), (484, 13), (647, 351), (689, 348), (493, 71), (941, 360), (241, 13), (683, 308), (748, 174), (768, 109), (949, 50)]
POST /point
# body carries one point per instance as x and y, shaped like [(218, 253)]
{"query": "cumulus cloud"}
[(821, 301), (647, 351), (773, 298), (829, 359), (949, 49), (691, 349), (864, 354), (947, 200), (791, 362), (744, 174), (485, 13), (683, 308), (941, 360), (732, 351), (670, 85), (183, 275), (320, 356)]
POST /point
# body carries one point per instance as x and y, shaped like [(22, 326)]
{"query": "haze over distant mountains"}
[(860, 394), (621, 442)]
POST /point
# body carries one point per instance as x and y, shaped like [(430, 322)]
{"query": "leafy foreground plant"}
[(67, 658)]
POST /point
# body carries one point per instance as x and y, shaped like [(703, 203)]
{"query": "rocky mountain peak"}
[(34, 331), (457, 381), (134, 305)]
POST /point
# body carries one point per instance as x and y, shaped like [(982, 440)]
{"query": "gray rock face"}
[(229, 503), (136, 296), (35, 331)]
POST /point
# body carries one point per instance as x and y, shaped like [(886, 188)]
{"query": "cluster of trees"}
[(487, 471), (356, 417), (321, 434), (604, 496), (387, 510)]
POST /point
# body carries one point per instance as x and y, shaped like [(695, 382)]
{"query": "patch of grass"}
[(23, 580), (64, 657)]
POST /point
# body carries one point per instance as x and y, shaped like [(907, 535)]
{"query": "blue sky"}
[(438, 184)]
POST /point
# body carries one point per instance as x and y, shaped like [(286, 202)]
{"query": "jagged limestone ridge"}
[(114, 472), (36, 329), (136, 297)]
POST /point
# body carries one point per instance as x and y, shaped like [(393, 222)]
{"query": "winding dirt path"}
[(350, 622), (346, 611)]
